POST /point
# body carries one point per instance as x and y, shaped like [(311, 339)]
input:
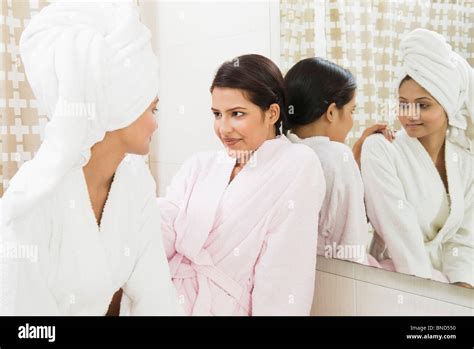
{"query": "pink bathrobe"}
[(248, 247)]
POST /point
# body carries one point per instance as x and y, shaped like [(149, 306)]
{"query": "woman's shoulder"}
[(338, 161), (31, 225), (377, 146), (467, 158), (336, 151), (376, 142), (134, 177), (462, 159), (300, 153)]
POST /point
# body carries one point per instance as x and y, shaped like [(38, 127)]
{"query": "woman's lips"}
[(230, 141), (414, 125)]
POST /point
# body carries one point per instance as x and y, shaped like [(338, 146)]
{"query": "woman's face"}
[(342, 121), (136, 137), (240, 124), (419, 113)]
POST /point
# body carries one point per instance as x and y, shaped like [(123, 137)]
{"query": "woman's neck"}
[(313, 129), (433, 144), (104, 161)]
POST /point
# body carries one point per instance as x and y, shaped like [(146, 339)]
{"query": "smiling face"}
[(240, 124), (419, 113), (136, 137)]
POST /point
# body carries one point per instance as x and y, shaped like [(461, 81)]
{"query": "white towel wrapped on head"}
[(429, 60), (92, 69)]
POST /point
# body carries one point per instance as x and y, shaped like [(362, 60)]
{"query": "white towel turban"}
[(431, 62), (92, 70)]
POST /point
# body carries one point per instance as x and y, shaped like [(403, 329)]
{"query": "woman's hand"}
[(376, 128)]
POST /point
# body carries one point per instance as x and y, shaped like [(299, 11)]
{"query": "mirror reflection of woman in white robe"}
[(420, 188), (322, 100), (87, 209)]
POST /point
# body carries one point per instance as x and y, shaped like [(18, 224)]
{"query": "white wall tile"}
[(197, 21), (186, 73), (166, 172), (191, 39)]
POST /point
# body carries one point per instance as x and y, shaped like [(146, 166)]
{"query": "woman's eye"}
[(216, 114), (237, 113), (405, 108), (155, 110), (423, 106)]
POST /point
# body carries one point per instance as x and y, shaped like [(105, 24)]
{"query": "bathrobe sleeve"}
[(458, 251), (23, 281), (390, 212), (170, 205), (149, 287), (285, 271)]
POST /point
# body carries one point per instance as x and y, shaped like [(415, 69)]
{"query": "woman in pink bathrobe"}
[(240, 224), (323, 97)]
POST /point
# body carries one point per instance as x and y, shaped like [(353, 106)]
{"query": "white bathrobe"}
[(425, 231), (343, 228), (79, 265), (92, 68)]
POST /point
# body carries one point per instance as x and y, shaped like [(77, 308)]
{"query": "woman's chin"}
[(232, 152), (415, 132)]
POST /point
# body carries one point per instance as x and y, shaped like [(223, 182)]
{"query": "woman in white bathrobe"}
[(240, 224), (420, 188), (83, 209), (322, 99)]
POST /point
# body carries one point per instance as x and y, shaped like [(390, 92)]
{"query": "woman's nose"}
[(225, 126)]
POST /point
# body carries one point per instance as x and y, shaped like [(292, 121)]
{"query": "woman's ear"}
[(273, 113), (331, 112)]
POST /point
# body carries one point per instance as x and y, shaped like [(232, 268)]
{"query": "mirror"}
[(417, 171)]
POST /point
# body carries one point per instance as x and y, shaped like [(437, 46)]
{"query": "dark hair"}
[(260, 80), (406, 78), (312, 85)]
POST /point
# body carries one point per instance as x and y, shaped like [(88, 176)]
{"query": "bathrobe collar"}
[(201, 222), (455, 194)]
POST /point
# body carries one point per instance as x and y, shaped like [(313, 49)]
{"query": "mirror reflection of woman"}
[(420, 188), (240, 225), (322, 100)]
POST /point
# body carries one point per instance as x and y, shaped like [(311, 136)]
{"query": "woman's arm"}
[(389, 211), (149, 288), (24, 290), (376, 128)]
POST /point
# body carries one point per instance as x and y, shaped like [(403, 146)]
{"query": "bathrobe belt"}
[(182, 268)]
